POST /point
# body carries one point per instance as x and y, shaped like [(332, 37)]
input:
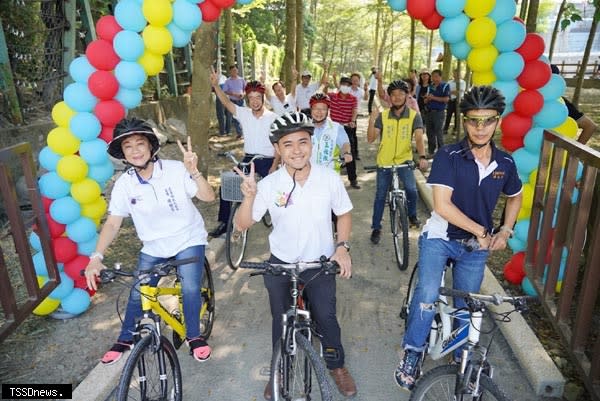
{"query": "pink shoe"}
[(116, 352), (199, 349)]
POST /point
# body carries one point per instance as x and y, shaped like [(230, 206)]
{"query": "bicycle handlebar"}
[(159, 269), (520, 302), (328, 267), (243, 164), (408, 164)]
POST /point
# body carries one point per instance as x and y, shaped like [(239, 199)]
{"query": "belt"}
[(471, 244)]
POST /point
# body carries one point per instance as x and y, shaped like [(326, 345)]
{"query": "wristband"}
[(508, 230), (485, 233), (97, 255), (423, 157), (196, 175), (347, 153)]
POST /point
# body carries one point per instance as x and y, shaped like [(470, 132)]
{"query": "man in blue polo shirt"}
[(436, 102), (466, 179)]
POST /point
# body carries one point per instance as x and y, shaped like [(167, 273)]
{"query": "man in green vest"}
[(395, 128)]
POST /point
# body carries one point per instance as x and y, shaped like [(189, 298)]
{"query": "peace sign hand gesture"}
[(248, 185), (190, 158)]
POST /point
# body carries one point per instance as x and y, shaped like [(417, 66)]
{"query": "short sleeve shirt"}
[(235, 85), (475, 188), (256, 131), (342, 108), (303, 94), (302, 231), (442, 90), (287, 106)]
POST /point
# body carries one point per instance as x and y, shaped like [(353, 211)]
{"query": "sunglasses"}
[(483, 121)]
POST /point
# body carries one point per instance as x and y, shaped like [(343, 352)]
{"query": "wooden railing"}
[(591, 73), (565, 200)]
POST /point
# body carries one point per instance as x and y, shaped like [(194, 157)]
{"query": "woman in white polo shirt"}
[(157, 194)]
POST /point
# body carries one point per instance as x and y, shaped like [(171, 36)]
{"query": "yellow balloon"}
[(94, 209), (527, 196), (481, 32), (62, 141), (97, 222), (157, 39), (524, 214), (85, 191), (482, 58), (152, 63), (568, 128), (533, 177), (484, 77), (157, 12), (47, 306), (479, 8), (61, 114), (72, 168)]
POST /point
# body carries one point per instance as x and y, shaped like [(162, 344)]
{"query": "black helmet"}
[(398, 84), (127, 127), (288, 124), (345, 80), (483, 97)]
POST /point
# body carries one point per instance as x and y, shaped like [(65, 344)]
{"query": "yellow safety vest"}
[(396, 139)]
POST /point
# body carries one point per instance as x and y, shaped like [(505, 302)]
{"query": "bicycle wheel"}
[(412, 284), (207, 312), (235, 241), (151, 372), (399, 221), (301, 375), (439, 383)]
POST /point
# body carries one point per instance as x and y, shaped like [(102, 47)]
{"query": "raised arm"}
[(227, 103), (190, 161), (243, 217), (372, 132)]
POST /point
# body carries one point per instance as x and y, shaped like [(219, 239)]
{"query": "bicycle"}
[(398, 207), (471, 378), (296, 364), (235, 240), (152, 370)]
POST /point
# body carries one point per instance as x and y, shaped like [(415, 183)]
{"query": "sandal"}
[(199, 349), (116, 352)]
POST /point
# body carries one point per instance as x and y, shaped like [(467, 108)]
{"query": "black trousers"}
[(321, 293), (351, 167), (371, 98), (451, 111)]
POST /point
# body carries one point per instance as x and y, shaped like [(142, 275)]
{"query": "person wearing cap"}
[(300, 198), (305, 90), (157, 195)]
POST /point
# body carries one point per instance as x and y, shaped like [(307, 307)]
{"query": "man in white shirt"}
[(372, 87), (451, 110), (305, 90)]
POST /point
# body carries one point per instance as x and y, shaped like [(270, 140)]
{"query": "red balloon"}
[(528, 102), (515, 125), (433, 21), (74, 267), (56, 229), (532, 48), (210, 12), (107, 27), (46, 202), (103, 84), (519, 19), (535, 74), (100, 54), (513, 274), (64, 249), (420, 9), (223, 3), (109, 112), (106, 134), (512, 143)]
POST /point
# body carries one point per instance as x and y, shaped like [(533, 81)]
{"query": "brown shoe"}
[(268, 393), (344, 382)]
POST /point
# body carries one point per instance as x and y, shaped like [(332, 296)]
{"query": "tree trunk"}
[(532, 15), (523, 12), (299, 35), (201, 104), (429, 49), (585, 59), (289, 59), (313, 13), (447, 62), (386, 25), (411, 57), (228, 34), (376, 39), (561, 10)]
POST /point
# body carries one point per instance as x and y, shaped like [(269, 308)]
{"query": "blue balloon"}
[(460, 50), (130, 74), (129, 98), (534, 139), (516, 244), (85, 126), (129, 15), (79, 98), (510, 35), (34, 241), (579, 171), (553, 114), (39, 263), (554, 88), (81, 230), (186, 15), (180, 37), (449, 8), (101, 172), (504, 10), (510, 90), (65, 210), (52, 186), (80, 69), (452, 30), (396, 5), (526, 161), (128, 45), (528, 287), (48, 159), (64, 288), (76, 302), (508, 66), (86, 248), (244, 2), (521, 229), (94, 151)]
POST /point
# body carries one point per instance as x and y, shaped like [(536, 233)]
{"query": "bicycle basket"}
[(230, 186)]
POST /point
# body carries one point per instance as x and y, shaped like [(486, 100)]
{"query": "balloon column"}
[(107, 82), (500, 53)]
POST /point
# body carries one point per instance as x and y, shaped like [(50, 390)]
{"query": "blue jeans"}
[(384, 180), (467, 276), (191, 282), (229, 117)]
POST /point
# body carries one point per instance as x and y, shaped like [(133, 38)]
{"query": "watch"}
[(485, 233), (345, 244)]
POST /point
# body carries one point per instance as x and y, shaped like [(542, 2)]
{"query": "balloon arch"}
[(130, 48)]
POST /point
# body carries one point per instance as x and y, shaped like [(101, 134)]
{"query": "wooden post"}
[(87, 21), (69, 39), (171, 74), (7, 84)]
